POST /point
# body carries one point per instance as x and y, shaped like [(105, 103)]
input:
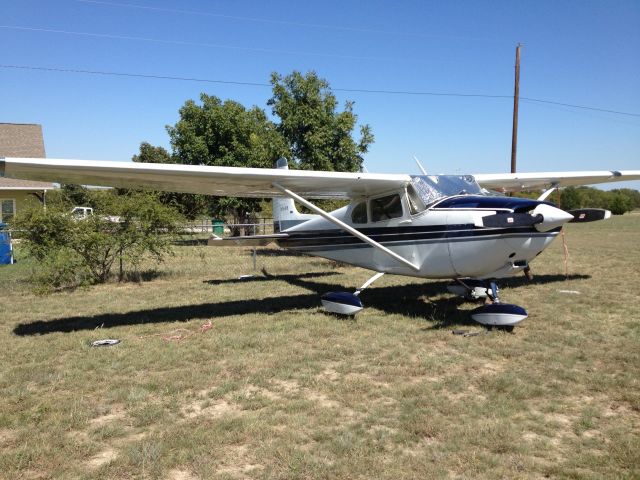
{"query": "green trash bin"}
[(218, 227)]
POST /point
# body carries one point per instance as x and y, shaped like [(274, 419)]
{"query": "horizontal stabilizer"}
[(245, 241), (583, 215)]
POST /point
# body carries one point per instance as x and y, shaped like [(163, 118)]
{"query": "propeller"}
[(507, 220), (584, 215)]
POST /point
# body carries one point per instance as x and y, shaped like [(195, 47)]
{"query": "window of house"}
[(359, 213), (385, 208), (7, 209)]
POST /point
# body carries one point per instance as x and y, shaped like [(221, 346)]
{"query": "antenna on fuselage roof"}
[(424, 172)]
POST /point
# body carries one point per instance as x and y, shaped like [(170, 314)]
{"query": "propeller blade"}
[(583, 215), (507, 220)]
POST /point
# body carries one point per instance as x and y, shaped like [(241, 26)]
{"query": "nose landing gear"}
[(496, 314)]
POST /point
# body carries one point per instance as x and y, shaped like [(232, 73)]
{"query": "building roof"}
[(22, 140), (24, 185)]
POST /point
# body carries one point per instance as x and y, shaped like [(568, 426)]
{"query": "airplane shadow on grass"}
[(417, 300)]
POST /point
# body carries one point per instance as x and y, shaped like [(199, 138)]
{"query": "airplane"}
[(458, 227)]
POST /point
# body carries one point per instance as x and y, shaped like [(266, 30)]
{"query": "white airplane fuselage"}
[(440, 242)]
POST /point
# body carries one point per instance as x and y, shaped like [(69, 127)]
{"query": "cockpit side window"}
[(385, 208), (416, 205), (359, 213)]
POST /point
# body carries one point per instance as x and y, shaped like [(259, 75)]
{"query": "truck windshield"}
[(432, 188)]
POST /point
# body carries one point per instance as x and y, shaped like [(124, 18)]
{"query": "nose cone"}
[(552, 217)]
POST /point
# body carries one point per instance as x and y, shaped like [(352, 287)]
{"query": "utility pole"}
[(516, 96)]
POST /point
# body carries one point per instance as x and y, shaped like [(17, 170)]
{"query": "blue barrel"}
[(6, 251)]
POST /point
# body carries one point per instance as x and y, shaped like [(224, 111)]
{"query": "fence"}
[(263, 226)]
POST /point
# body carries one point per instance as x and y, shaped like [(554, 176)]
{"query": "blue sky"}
[(575, 52)]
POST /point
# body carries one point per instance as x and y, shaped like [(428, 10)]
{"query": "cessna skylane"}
[(458, 227)]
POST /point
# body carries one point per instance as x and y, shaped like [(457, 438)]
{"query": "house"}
[(20, 140)]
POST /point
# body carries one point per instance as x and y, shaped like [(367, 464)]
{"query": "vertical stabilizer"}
[(285, 214)]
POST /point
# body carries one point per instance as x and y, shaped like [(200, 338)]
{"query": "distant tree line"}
[(618, 201), (306, 127)]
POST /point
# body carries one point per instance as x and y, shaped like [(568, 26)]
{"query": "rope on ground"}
[(566, 254), (179, 333)]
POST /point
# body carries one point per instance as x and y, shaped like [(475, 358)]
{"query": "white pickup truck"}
[(82, 213)]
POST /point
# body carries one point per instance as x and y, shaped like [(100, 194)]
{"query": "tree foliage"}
[(308, 130), (618, 201), (72, 252), (189, 205), (72, 194), (319, 137), (225, 133)]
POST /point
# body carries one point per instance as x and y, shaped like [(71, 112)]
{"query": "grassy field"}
[(278, 389)]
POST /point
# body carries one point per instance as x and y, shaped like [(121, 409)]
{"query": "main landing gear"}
[(346, 303), (496, 314), (492, 314)]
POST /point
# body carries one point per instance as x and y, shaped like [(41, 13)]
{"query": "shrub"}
[(72, 252)]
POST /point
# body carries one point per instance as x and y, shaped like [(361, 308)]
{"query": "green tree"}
[(570, 199), (76, 195), (311, 134), (226, 134), (632, 195), (150, 154), (318, 135), (188, 204), (619, 203)]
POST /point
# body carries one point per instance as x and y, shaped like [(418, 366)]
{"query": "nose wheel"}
[(497, 314)]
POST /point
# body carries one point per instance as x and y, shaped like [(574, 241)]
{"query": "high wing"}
[(259, 182), (515, 182), (218, 181)]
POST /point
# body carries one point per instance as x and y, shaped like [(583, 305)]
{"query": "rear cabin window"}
[(385, 208), (359, 213)]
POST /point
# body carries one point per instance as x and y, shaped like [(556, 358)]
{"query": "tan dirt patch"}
[(215, 410), (6, 436), (107, 455), (102, 420), (235, 463), (328, 374), (252, 390), (287, 386), (177, 474)]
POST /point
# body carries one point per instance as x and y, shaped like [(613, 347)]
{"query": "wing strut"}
[(344, 226), (549, 191)]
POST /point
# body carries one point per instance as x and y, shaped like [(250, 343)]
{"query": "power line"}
[(232, 82), (596, 109), (203, 44), (134, 75), (277, 22), (349, 90)]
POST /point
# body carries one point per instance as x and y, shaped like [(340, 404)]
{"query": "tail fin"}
[(285, 214)]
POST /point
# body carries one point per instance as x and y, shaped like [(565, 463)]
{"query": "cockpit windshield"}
[(432, 188)]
